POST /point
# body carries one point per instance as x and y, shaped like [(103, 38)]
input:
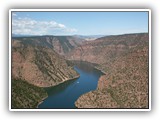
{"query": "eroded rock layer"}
[(124, 59), (36, 64)]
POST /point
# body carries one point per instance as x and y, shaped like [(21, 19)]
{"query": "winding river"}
[(64, 95)]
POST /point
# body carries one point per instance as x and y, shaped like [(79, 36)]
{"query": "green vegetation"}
[(25, 95), (124, 59), (36, 64)]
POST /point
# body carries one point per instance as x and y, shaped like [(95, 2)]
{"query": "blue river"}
[(64, 95)]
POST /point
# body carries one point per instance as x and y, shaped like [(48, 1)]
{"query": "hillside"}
[(39, 65), (36, 65), (60, 44), (25, 95), (39, 62), (109, 47), (124, 59)]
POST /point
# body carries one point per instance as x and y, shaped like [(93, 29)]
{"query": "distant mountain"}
[(19, 35), (89, 37)]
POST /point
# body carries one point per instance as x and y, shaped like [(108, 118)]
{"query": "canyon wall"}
[(125, 60), (36, 64)]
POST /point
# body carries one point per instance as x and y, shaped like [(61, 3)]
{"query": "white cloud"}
[(14, 14), (28, 26)]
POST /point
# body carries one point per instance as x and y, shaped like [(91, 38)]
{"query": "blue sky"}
[(81, 23)]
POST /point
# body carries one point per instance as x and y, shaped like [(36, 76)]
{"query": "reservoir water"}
[(64, 95)]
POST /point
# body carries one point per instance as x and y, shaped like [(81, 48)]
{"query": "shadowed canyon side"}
[(124, 59), (35, 64), (43, 61), (60, 44), (25, 95)]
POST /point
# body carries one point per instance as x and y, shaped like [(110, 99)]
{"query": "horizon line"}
[(23, 35)]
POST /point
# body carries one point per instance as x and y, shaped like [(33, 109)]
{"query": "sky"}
[(78, 23)]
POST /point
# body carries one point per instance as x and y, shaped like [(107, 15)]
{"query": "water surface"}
[(64, 95)]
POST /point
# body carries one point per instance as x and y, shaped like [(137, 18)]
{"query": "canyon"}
[(43, 61), (124, 59), (36, 63)]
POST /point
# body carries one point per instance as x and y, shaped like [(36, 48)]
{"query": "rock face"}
[(36, 64), (39, 65), (107, 48), (60, 44), (39, 62), (124, 59)]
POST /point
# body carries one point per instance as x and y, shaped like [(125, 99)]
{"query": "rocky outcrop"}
[(124, 59), (97, 98), (36, 64), (40, 66), (107, 48), (60, 44)]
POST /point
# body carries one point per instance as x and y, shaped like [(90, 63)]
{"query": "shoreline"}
[(68, 80), (92, 64), (87, 93), (100, 70), (41, 101), (63, 81), (96, 87), (54, 86)]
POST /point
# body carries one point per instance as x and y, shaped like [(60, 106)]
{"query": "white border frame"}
[(87, 10)]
